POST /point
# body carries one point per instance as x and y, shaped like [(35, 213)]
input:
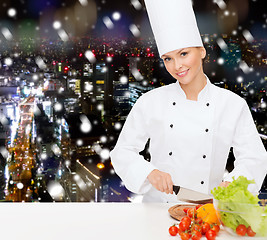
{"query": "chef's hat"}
[(174, 24)]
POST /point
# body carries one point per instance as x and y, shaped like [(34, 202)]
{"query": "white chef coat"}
[(190, 140)]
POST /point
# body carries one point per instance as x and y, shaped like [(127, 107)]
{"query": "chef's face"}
[(185, 64)]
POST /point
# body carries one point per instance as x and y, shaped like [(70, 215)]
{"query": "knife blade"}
[(191, 196)]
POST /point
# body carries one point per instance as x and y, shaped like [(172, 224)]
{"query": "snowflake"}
[(20, 185), (55, 189), (63, 35), (79, 142), (137, 5), (4, 152), (58, 107), (104, 153), (103, 139), (7, 34), (134, 30), (56, 25), (35, 77), (244, 67), (220, 61), (43, 156), (116, 16), (8, 61), (117, 126), (86, 126), (123, 79), (40, 62), (56, 150), (107, 21), (239, 79), (221, 43), (248, 36), (221, 4), (137, 75), (83, 2), (12, 12), (109, 59), (90, 56)]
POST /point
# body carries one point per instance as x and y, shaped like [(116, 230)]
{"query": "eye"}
[(166, 59), (184, 54)]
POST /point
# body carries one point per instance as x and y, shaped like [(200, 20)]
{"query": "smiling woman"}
[(191, 124)]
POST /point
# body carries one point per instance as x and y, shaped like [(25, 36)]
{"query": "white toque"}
[(174, 24)]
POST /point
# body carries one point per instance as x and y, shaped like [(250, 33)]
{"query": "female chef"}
[(191, 124)]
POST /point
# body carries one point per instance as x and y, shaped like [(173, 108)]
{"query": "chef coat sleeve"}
[(131, 167), (250, 154)]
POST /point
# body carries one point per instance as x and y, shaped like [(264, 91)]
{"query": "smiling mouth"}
[(182, 74)]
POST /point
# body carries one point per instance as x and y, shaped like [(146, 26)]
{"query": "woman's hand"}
[(224, 184), (161, 181)]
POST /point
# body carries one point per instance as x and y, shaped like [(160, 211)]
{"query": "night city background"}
[(71, 70)]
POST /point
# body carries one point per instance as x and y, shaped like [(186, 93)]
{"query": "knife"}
[(191, 196)]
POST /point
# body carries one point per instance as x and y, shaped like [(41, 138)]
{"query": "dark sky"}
[(249, 14)]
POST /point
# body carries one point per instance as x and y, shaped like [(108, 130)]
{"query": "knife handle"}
[(176, 189)]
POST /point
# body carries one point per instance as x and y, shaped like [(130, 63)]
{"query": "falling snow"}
[(134, 30)]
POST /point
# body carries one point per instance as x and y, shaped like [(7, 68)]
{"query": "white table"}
[(90, 221)]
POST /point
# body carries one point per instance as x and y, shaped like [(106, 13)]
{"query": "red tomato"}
[(173, 230), (241, 230), (198, 220), (215, 228), (186, 219), (205, 228), (197, 227), (210, 235), (192, 213), (184, 225), (196, 235), (184, 236), (250, 232), (186, 209)]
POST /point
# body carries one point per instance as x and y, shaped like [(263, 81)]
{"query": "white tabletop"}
[(107, 221)]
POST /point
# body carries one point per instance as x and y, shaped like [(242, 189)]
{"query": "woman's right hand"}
[(162, 181)]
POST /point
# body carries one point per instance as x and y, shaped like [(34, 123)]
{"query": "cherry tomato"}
[(210, 235), (186, 219), (173, 230), (197, 227), (192, 213), (205, 228), (184, 236), (241, 230), (184, 225), (196, 235), (186, 209), (215, 228), (199, 221), (250, 232)]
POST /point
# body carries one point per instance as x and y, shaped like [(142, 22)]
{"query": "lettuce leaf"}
[(239, 206)]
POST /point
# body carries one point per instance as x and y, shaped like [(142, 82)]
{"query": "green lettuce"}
[(237, 205)]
